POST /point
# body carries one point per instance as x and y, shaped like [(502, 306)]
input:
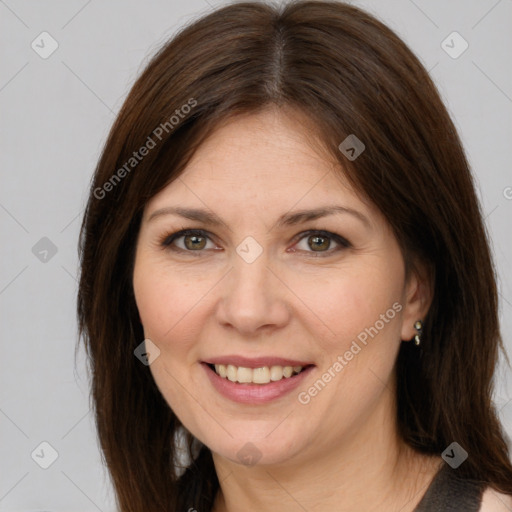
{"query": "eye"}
[(195, 240), (320, 242)]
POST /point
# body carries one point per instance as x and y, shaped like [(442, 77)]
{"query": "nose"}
[(253, 298)]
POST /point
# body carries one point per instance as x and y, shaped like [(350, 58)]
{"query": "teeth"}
[(287, 371), (244, 375), (262, 375), (231, 373), (276, 373)]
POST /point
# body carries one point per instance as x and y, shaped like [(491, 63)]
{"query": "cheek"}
[(359, 310), (153, 296), (167, 301), (348, 301)]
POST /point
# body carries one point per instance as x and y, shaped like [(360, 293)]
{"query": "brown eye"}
[(319, 242), (194, 242), (187, 240)]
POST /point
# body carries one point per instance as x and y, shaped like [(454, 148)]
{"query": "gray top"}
[(449, 493)]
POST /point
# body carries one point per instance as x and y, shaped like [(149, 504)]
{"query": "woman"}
[(355, 379)]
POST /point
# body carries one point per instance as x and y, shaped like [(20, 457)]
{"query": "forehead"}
[(267, 146), (270, 160)]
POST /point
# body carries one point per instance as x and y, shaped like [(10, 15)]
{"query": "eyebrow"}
[(288, 219)]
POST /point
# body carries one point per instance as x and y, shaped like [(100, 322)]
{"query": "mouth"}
[(260, 381), (260, 375)]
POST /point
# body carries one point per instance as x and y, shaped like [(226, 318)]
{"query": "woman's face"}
[(258, 286)]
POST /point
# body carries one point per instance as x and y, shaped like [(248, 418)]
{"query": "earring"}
[(418, 325)]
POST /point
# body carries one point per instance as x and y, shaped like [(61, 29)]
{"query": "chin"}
[(248, 450)]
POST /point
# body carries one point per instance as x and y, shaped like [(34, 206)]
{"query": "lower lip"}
[(255, 393)]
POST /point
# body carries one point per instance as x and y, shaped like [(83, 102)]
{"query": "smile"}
[(258, 385), (263, 375)]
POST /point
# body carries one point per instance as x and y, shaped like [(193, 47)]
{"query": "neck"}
[(371, 469)]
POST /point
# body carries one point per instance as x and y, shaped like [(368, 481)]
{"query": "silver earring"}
[(418, 325)]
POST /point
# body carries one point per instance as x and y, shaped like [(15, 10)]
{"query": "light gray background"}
[(56, 113)]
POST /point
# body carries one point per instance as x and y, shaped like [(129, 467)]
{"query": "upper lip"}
[(255, 362)]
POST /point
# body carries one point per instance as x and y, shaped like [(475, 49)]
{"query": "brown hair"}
[(349, 74)]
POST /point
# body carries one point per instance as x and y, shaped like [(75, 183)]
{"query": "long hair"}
[(347, 73)]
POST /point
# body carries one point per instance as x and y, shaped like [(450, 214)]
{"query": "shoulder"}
[(494, 501)]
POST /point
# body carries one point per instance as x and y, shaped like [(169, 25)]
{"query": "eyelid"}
[(168, 239), (342, 242)]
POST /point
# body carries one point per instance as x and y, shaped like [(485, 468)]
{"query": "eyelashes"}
[(318, 237)]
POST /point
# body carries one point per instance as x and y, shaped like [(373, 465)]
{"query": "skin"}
[(341, 450)]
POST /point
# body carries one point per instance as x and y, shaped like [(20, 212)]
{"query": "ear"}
[(418, 293)]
